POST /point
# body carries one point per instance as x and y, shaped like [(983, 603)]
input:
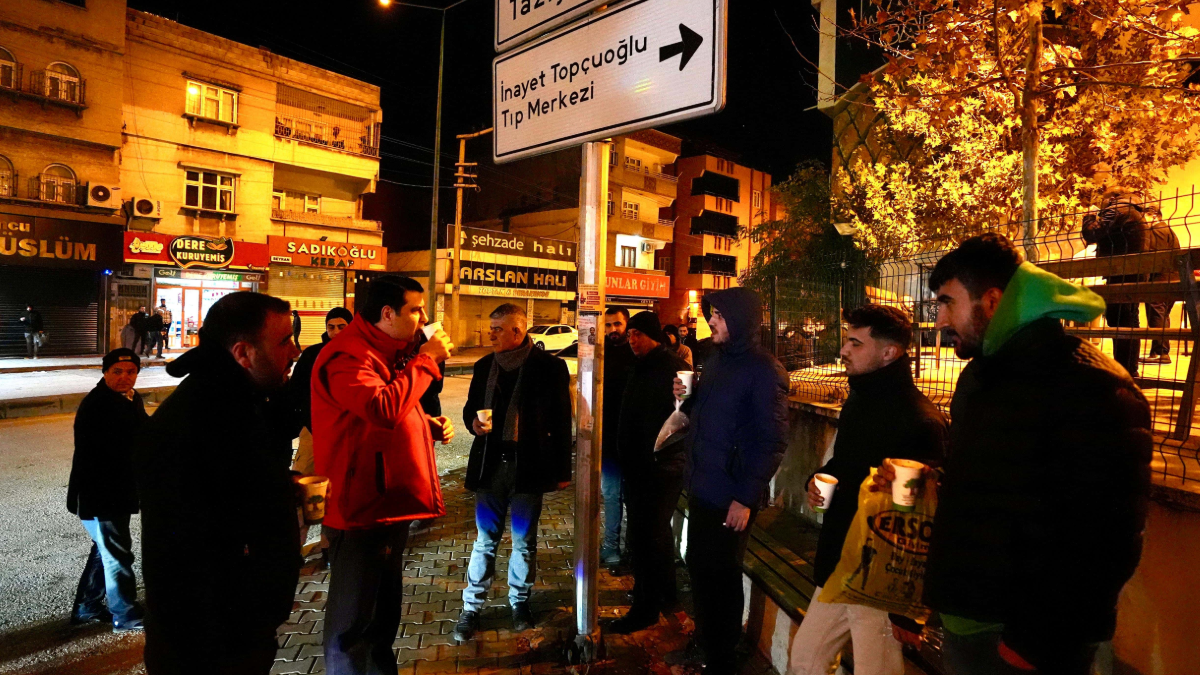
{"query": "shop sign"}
[(515, 276), (207, 275), (635, 285), (52, 242), (511, 243), (516, 293), (190, 251), (327, 254)]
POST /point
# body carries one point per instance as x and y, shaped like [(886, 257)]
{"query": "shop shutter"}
[(68, 301), (313, 292)]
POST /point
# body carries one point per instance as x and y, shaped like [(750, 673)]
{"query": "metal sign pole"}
[(593, 226)]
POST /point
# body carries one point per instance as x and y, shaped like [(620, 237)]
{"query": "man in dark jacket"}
[(1119, 229), (217, 499), (103, 494), (1043, 501), (31, 325), (522, 451), (1160, 237), (618, 363), (300, 384), (652, 480), (885, 415), (296, 326), (154, 334), (138, 321), (739, 428)]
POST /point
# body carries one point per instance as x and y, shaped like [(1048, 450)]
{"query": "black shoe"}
[(85, 618), (128, 626), (467, 626), (522, 617), (633, 622)]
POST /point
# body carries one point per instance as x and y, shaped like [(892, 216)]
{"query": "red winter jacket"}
[(370, 435)]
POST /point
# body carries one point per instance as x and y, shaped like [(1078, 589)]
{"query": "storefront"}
[(636, 290), (189, 273), (59, 266), (312, 276)]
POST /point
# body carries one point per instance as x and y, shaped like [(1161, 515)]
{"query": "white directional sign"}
[(637, 65), (520, 21)]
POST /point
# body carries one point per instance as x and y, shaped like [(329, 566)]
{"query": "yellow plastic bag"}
[(883, 559)]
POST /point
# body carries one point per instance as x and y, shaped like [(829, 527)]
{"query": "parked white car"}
[(553, 337), (571, 356)]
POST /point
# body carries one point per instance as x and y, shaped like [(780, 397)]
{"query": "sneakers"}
[(83, 618), (1156, 358), (522, 617), (128, 626), (467, 626), (610, 556)]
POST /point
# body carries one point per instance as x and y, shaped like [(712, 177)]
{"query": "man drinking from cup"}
[(519, 410), (885, 415)]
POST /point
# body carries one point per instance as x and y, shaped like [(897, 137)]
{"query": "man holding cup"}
[(375, 443), (519, 410), (1042, 501), (885, 415)]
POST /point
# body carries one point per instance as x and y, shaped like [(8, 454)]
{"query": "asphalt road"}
[(43, 547)]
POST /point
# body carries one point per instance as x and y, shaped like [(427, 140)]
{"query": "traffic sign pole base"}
[(585, 649)]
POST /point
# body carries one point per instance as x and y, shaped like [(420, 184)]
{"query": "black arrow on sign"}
[(687, 46)]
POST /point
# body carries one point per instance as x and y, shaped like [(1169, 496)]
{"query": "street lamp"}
[(430, 290)]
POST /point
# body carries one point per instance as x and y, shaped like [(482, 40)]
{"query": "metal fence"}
[(1142, 256)]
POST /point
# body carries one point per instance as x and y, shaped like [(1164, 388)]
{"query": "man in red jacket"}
[(375, 443)]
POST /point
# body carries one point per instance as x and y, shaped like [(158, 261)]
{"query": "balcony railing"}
[(360, 140), (633, 168), (327, 220), (720, 265), (60, 88), (11, 76), (8, 185), (53, 189)]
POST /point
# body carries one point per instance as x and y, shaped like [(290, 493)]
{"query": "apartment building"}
[(143, 161)]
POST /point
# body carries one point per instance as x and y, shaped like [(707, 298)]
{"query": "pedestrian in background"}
[(218, 501), (103, 493), (138, 321), (652, 479), (618, 362), (31, 326), (1119, 229), (299, 387), (154, 334), (165, 317), (375, 443), (520, 451), (296, 327), (1043, 499), (739, 428), (1158, 314), (675, 343), (884, 416)]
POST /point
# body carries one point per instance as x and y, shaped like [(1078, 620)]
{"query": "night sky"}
[(764, 123)]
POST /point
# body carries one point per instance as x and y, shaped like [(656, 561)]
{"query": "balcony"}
[(321, 133), (622, 223), (646, 180), (345, 222), (53, 189), (716, 224), (713, 263), (717, 185), (52, 87)]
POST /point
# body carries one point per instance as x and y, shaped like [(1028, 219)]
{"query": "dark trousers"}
[(1125, 352), (362, 612), (714, 560), (651, 496), (1158, 315), (31, 346), (979, 655), (108, 574), (237, 655)]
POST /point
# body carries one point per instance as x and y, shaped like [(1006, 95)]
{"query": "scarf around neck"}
[(513, 359)]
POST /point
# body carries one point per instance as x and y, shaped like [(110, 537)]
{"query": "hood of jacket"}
[(889, 378), (1032, 294), (742, 311)]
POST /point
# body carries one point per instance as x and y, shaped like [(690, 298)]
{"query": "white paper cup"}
[(484, 415), (906, 488), (315, 488), (826, 485), (431, 328), (687, 377)]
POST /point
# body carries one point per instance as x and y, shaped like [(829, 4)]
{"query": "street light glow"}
[(385, 3)]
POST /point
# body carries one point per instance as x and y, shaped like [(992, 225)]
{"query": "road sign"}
[(519, 21), (639, 64)]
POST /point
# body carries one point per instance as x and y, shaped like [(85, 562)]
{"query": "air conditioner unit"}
[(647, 247), (143, 207), (104, 196)]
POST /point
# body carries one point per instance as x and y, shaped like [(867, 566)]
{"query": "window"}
[(208, 191), (57, 184), (725, 165), (630, 210), (8, 70), (664, 263), (313, 132), (612, 158), (295, 201), (724, 205), (612, 206), (277, 200), (633, 163), (7, 181), (62, 83), (756, 199), (214, 103), (628, 257)]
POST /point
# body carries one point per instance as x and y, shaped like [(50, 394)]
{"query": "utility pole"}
[(461, 176), (431, 289), (1029, 138)]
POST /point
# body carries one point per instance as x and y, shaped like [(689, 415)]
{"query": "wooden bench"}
[(1183, 263)]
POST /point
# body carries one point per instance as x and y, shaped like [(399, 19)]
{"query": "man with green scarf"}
[(1043, 500)]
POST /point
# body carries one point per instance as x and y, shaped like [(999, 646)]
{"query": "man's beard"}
[(617, 338), (969, 344)]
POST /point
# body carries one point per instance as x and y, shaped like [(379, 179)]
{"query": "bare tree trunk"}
[(1029, 138)]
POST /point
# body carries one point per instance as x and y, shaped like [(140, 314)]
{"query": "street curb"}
[(38, 406)]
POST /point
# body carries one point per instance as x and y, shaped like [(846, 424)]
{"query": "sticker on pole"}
[(640, 64), (589, 298)]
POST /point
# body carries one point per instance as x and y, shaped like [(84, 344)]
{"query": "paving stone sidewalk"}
[(436, 564)]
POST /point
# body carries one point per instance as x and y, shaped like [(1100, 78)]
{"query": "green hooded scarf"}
[(1034, 293)]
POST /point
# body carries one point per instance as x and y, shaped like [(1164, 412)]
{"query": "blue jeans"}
[(492, 504), (979, 654), (610, 490), (111, 538)]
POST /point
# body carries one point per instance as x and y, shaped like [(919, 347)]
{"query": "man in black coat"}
[(1043, 501), (1160, 237), (652, 480), (738, 434), (102, 492), (138, 321), (884, 416), (31, 325), (520, 452), (1119, 229), (220, 541), (154, 334), (618, 363)]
